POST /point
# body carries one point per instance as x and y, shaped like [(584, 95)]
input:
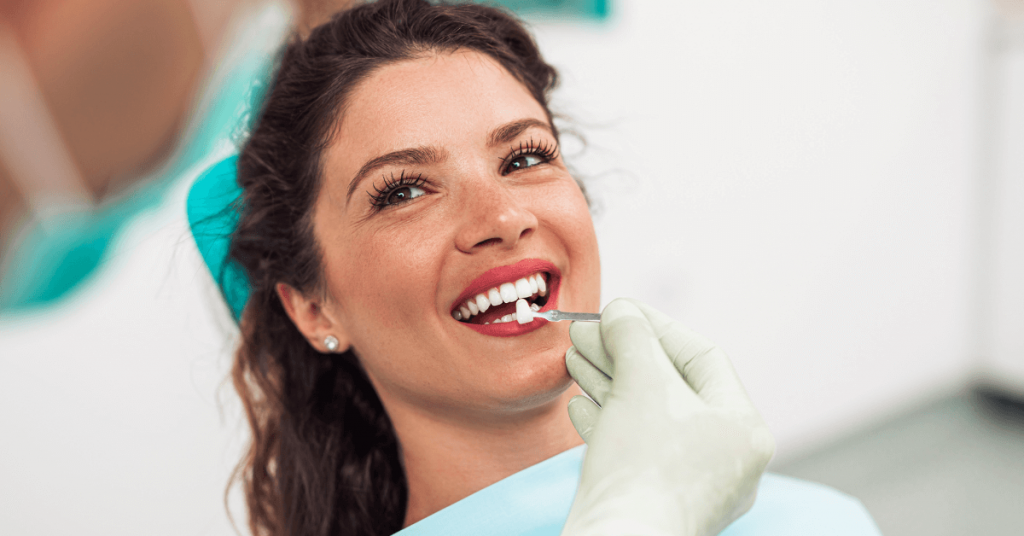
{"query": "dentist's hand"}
[(675, 447)]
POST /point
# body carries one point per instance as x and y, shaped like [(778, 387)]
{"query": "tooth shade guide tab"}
[(524, 314)]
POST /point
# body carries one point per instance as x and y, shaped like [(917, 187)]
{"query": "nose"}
[(494, 217)]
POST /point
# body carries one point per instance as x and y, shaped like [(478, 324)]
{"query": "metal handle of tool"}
[(555, 315)]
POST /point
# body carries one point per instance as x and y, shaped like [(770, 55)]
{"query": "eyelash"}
[(543, 149), (379, 199)]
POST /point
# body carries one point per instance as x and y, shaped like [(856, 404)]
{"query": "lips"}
[(487, 303)]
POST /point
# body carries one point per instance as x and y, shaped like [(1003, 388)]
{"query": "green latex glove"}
[(675, 446)]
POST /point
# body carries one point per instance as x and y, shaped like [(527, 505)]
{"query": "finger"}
[(703, 365), (586, 337), (583, 413), (593, 382), (640, 362)]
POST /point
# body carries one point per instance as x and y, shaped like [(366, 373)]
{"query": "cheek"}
[(567, 214), (388, 285)]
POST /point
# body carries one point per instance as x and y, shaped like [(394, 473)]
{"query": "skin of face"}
[(392, 275)]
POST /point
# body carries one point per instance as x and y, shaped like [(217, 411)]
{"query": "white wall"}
[(1002, 266), (795, 180), (115, 418)]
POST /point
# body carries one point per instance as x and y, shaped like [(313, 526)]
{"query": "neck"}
[(446, 460)]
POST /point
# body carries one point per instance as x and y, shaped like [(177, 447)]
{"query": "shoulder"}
[(793, 507)]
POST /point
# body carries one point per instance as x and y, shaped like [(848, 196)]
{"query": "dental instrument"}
[(525, 315)]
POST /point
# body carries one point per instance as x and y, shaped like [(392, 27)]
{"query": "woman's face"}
[(442, 182)]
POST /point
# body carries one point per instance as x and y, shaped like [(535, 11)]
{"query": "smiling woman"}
[(403, 188)]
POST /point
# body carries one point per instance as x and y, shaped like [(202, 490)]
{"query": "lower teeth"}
[(500, 320), (512, 317)]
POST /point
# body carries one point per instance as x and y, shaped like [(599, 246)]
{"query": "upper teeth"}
[(504, 293)]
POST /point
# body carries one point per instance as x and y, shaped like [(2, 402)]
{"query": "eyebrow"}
[(508, 132), (425, 155)]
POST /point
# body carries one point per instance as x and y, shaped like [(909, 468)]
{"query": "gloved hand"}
[(675, 446)]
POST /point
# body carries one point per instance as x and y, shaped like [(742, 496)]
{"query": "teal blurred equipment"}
[(53, 258), (595, 10), (214, 206)]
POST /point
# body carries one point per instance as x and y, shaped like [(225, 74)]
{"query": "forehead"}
[(446, 99)]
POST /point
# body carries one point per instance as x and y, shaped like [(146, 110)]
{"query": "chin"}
[(532, 384)]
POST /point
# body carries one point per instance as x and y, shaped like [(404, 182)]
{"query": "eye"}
[(524, 161), (397, 191), (402, 194), (528, 155)]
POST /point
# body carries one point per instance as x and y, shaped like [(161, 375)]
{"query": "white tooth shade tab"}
[(482, 303), (508, 293), (532, 280), (523, 288), (542, 286), (465, 311), (494, 297), (473, 309), (524, 315)]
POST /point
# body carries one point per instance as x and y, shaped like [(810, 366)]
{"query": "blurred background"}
[(832, 191)]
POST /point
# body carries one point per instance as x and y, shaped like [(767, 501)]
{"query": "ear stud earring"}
[(331, 342)]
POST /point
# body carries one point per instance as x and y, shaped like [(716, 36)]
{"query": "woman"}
[(403, 188), (403, 164)]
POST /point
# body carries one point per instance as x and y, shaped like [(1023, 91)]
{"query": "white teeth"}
[(526, 287), (482, 303), (523, 313), (508, 292), (506, 318), (523, 288)]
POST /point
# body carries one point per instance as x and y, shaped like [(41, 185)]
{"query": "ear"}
[(313, 321)]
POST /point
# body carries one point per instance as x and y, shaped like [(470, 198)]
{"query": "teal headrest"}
[(214, 206)]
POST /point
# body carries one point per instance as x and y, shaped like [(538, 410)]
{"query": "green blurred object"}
[(568, 9), (54, 257)]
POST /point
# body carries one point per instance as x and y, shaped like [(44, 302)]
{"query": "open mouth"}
[(497, 304)]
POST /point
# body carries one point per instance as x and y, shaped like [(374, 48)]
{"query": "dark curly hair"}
[(324, 458)]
